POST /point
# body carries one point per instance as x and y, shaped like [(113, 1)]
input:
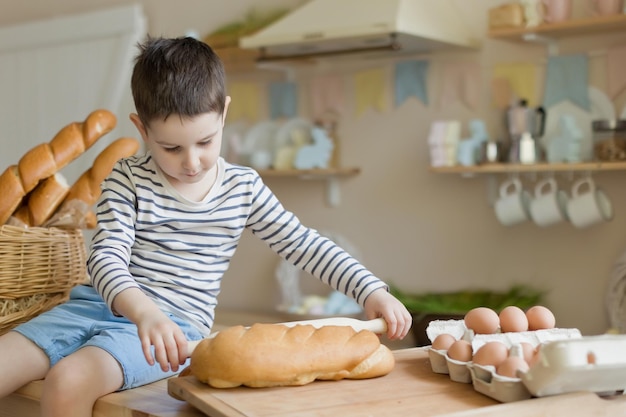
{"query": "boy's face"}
[(185, 149)]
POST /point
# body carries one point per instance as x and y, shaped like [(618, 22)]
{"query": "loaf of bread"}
[(84, 193), (43, 201), (46, 159), (267, 355)]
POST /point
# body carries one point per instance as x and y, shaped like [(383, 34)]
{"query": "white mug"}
[(589, 207), (512, 205), (549, 205)]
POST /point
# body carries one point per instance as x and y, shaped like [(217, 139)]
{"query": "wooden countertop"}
[(410, 389)]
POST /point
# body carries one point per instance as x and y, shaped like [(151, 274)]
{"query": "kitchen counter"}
[(410, 389)]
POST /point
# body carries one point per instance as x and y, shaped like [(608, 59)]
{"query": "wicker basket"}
[(38, 268)]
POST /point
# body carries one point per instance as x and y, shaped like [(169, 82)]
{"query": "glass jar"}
[(609, 140)]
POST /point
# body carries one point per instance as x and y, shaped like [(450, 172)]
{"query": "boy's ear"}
[(134, 117), (226, 104)]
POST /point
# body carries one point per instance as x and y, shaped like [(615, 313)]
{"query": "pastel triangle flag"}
[(369, 90), (616, 73), (518, 80), (283, 99), (410, 80), (327, 94), (461, 83), (567, 79), (244, 101), (501, 93)]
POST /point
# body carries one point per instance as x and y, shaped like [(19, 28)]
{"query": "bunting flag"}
[(244, 103), (410, 80), (283, 100), (502, 94), (369, 90), (461, 82), (616, 73), (514, 81), (567, 79), (327, 94)]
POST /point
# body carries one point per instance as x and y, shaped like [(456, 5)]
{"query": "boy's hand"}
[(382, 304), (154, 329), (170, 344)]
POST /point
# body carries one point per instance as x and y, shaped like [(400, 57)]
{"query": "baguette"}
[(12, 192), (43, 201), (268, 355), (46, 159), (87, 187), (84, 193)]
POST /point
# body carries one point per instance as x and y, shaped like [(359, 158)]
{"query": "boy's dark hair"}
[(181, 76)]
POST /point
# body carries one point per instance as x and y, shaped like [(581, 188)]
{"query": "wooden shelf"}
[(310, 173), (331, 175), (521, 168), (577, 27)]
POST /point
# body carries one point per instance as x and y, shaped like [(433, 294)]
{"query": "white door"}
[(57, 71)]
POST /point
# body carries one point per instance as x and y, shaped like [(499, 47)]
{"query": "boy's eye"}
[(174, 149), (205, 143)]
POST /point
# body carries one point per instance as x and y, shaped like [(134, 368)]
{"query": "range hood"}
[(331, 27)]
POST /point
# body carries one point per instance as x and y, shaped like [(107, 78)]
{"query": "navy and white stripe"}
[(176, 251)]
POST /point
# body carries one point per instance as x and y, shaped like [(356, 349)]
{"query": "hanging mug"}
[(549, 204), (512, 205), (588, 204)]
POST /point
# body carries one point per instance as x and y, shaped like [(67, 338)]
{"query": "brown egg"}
[(482, 320), (461, 350), (491, 353), (540, 317), (513, 319), (443, 341), (511, 365)]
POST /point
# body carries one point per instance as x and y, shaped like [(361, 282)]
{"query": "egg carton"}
[(499, 387), (484, 378), (591, 363)]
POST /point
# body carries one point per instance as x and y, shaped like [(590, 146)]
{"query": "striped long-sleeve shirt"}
[(176, 251)]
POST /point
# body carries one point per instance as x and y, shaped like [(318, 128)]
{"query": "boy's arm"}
[(154, 329)]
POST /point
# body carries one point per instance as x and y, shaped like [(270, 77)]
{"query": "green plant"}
[(459, 302)]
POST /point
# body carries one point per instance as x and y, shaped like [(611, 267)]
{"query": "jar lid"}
[(608, 125)]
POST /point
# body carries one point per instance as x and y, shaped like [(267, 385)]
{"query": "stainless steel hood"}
[(323, 27)]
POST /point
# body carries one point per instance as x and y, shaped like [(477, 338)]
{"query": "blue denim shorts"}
[(86, 320)]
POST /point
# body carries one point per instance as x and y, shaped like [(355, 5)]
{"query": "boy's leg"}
[(73, 385), (21, 361)]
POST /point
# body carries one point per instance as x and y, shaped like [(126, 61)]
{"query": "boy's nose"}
[(190, 161)]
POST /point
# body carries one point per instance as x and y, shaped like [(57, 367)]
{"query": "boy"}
[(168, 224)]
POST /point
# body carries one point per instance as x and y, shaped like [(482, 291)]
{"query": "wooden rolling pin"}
[(378, 326)]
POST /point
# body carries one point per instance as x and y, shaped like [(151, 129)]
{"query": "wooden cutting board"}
[(411, 389)]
